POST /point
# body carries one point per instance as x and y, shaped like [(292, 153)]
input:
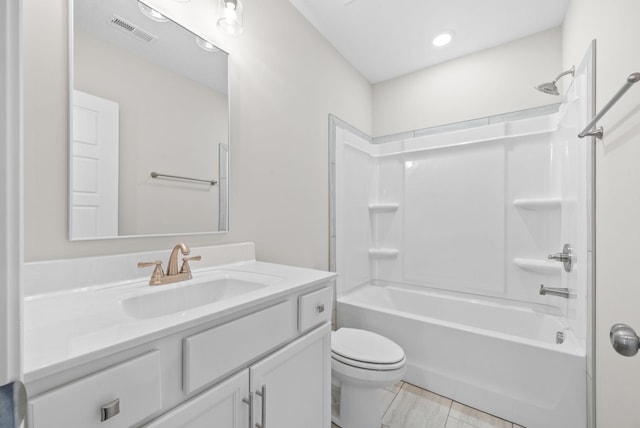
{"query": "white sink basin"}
[(169, 299)]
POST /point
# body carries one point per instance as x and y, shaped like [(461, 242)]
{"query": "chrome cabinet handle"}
[(249, 402), (263, 395), (565, 257), (320, 308), (624, 340), (109, 410)]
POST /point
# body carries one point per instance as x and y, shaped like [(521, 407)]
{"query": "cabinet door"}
[(292, 387), (220, 406)]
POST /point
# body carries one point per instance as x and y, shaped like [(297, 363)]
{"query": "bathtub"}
[(496, 356)]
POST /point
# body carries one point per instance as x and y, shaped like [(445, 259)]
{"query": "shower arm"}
[(599, 132), (571, 71)]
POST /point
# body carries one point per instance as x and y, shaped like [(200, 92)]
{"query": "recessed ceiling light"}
[(206, 45), (443, 39), (152, 13)]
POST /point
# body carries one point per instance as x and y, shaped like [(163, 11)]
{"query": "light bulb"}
[(151, 13), (206, 45), (231, 21)]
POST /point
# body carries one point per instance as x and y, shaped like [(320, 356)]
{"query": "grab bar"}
[(177, 177), (560, 292), (599, 132)]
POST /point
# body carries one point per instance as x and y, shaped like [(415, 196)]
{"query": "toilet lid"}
[(365, 346)]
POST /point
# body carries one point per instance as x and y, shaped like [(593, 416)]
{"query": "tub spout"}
[(560, 292)]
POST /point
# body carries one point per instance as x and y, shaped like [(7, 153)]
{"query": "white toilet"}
[(362, 362)]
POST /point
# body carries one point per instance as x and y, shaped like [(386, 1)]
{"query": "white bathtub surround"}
[(441, 244)]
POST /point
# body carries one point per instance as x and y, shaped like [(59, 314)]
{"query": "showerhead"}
[(550, 87)]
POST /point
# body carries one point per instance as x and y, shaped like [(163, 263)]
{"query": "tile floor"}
[(407, 406)]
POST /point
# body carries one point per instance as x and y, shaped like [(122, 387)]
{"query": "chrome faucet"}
[(158, 277), (560, 292)]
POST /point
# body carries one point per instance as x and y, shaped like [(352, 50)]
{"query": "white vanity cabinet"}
[(269, 366), (117, 396), (288, 389), (224, 405), (292, 387)]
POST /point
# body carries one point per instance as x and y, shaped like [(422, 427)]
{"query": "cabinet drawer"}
[(218, 351), (132, 388), (314, 308)]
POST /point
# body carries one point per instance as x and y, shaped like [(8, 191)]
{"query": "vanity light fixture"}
[(207, 46), (230, 23), (151, 13), (443, 39)]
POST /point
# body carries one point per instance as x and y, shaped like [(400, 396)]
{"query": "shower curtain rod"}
[(599, 132)]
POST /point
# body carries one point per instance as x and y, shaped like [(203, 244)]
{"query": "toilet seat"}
[(366, 350)]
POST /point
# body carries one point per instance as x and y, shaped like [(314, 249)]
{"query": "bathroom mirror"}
[(149, 127)]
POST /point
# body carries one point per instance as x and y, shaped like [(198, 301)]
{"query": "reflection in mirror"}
[(147, 96)]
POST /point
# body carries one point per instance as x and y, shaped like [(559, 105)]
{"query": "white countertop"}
[(66, 328)]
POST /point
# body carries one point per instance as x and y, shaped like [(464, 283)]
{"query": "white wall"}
[(285, 79), (614, 25), (490, 82)]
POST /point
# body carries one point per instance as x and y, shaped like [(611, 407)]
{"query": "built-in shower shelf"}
[(387, 207), (537, 203), (538, 265), (384, 253)]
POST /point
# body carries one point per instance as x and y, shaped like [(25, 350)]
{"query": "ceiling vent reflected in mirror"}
[(134, 31)]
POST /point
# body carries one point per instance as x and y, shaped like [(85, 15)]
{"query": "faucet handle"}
[(185, 263), (157, 274)]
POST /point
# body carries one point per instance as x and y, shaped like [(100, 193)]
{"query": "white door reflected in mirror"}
[(94, 178)]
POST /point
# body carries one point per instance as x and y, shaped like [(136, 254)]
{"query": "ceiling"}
[(384, 39), (173, 47)]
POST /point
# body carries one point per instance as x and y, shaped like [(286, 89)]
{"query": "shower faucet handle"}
[(559, 257), (565, 257)]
